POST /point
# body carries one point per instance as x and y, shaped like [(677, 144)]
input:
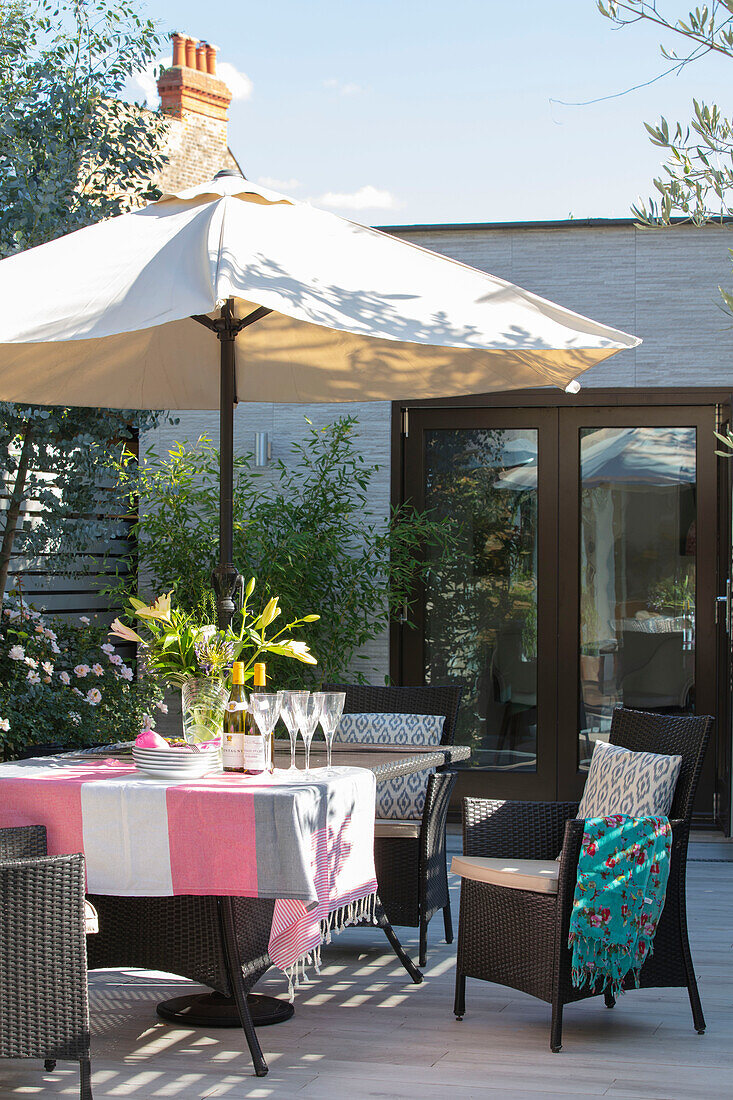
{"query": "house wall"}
[(197, 149), (658, 284)]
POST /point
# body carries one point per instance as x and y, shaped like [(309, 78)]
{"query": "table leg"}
[(231, 1011), (395, 944), (231, 950)]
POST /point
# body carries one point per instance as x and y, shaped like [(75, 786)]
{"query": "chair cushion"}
[(537, 875), (624, 782), (397, 828), (391, 729), (403, 797)]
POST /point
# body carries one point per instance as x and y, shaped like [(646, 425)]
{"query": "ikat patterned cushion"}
[(403, 798), (624, 782), (391, 729)]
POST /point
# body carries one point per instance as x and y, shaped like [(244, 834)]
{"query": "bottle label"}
[(235, 705), (232, 752), (255, 759)]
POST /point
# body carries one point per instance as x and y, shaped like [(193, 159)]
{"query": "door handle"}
[(726, 601)]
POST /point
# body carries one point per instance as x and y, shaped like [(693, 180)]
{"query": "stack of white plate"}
[(177, 763)]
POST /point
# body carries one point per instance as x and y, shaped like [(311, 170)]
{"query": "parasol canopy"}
[(103, 316), (305, 307)]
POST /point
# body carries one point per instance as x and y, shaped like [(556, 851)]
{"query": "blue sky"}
[(401, 112)]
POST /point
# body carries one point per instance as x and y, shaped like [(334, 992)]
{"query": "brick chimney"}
[(191, 83), (196, 101)]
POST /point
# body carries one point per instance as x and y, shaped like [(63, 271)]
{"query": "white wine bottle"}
[(256, 756), (235, 717)]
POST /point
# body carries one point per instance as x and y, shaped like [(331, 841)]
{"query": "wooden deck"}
[(362, 1030)]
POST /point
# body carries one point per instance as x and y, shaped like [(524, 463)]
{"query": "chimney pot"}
[(190, 85), (179, 49), (191, 53)]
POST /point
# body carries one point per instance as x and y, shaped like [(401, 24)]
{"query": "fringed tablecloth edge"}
[(350, 913)]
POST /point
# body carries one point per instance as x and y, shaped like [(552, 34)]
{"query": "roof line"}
[(561, 223)]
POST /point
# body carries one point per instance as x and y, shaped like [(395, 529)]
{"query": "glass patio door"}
[(638, 618), (487, 620), (585, 578)]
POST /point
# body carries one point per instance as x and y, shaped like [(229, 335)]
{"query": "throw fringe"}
[(588, 975), (354, 912)]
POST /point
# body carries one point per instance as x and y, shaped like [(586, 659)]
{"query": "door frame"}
[(542, 783), (722, 801), (693, 400)]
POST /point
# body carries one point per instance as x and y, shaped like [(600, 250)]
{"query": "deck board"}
[(362, 1031)]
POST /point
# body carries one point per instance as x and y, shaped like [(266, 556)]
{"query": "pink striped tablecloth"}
[(309, 844)]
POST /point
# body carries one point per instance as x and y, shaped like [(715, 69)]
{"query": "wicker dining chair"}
[(410, 856), (44, 1004), (519, 937)]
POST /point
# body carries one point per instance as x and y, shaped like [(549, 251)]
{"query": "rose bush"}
[(65, 683)]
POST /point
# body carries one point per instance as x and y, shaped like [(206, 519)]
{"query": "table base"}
[(211, 1010)]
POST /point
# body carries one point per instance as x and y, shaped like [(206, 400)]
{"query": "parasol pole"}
[(226, 578)]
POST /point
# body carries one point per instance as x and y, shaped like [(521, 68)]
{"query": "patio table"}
[(385, 761), (207, 895)]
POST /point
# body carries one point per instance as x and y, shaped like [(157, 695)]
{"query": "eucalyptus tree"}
[(72, 151), (697, 179)]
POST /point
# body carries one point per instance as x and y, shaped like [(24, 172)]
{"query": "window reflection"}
[(481, 612), (637, 575)]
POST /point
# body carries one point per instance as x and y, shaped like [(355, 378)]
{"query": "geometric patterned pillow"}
[(391, 729), (403, 798), (624, 782)]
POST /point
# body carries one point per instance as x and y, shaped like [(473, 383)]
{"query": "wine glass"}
[(289, 714), (266, 710), (332, 706), (308, 711)]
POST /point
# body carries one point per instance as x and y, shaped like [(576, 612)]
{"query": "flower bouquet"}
[(197, 657)]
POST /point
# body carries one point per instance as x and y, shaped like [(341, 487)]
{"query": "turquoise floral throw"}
[(619, 896)]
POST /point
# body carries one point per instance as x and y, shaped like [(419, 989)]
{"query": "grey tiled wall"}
[(661, 285)]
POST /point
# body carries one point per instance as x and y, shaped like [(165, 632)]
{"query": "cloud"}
[(279, 185), (342, 87), (143, 86), (239, 83), (366, 198)]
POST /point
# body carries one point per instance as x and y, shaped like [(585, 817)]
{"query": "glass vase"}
[(203, 703)]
